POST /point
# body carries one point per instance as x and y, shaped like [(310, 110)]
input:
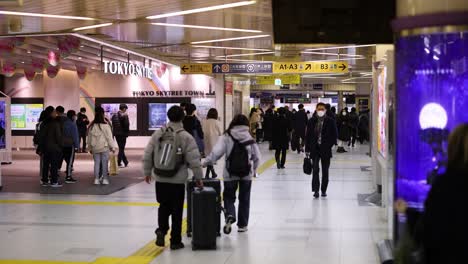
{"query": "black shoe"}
[(316, 195), (44, 183), (227, 228), (70, 180), (340, 150), (160, 239), (214, 176), (176, 246), (278, 166), (56, 185), (282, 167), (324, 194)]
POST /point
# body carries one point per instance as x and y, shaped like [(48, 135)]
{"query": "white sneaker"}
[(242, 229), (105, 182), (97, 182)]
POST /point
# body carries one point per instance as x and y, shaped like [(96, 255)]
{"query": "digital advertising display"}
[(111, 109), (157, 114), (431, 100), (2, 125), (25, 116), (382, 112)]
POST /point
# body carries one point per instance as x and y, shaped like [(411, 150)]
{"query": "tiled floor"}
[(287, 225)]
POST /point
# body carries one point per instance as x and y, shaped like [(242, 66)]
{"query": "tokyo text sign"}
[(311, 67)]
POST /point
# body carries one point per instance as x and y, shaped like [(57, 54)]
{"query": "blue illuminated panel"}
[(432, 99)]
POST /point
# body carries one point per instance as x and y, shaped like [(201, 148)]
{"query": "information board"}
[(311, 67), (25, 116)]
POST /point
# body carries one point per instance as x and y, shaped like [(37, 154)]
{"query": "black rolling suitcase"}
[(215, 184), (204, 218)]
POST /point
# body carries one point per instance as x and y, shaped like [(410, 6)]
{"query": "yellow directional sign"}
[(311, 67), (196, 68), (285, 79)]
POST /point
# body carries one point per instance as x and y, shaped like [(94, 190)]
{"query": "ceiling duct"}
[(11, 3)]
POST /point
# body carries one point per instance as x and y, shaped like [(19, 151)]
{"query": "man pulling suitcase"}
[(168, 155)]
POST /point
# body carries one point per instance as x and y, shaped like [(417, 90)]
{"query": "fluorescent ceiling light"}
[(229, 39), (246, 54), (259, 61), (330, 54), (204, 27), (353, 78), (93, 26), (341, 59), (203, 9), (228, 48), (343, 47), (43, 15), (355, 82), (318, 77)]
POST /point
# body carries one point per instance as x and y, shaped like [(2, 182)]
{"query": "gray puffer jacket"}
[(224, 146), (189, 150)]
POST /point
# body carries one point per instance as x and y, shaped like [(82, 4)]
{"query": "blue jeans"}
[(101, 164), (229, 196)]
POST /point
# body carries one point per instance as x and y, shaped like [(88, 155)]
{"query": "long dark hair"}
[(99, 116), (252, 111), (238, 120)]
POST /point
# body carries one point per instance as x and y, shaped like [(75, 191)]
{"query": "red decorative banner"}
[(81, 71), (6, 45), (8, 69), (53, 58), (52, 71), (30, 73), (38, 65)]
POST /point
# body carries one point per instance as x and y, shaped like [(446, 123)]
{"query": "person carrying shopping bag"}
[(100, 143), (242, 160)]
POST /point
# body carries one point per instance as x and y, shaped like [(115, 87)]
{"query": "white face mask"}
[(344, 113), (320, 113)]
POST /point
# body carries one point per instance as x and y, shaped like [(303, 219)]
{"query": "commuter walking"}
[(121, 127), (71, 143), (82, 122), (242, 160), (193, 126), (268, 125), (353, 126), (281, 138), (50, 147), (344, 130), (36, 141), (61, 117), (100, 142), (332, 112), (320, 138), (260, 132), (212, 131), (363, 126), (445, 217), (299, 126), (254, 119), (170, 187)]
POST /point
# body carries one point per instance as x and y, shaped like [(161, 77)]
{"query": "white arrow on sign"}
[(217, 68)]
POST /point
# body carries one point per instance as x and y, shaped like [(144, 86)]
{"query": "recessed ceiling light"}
[(203, 9), (330, 54), (246, 54), (81, 46), (22, 62), (229, 39), (43, 15), (229, 48), (28, 51), (93, 26), (79, 58), (205, 27)]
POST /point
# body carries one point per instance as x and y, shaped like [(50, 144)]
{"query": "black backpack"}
[(238, 161)]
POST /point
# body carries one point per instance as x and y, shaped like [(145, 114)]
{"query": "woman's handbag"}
[(307, 166)]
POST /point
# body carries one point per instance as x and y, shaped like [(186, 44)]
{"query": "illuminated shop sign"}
[(124, 68), (171, 93)]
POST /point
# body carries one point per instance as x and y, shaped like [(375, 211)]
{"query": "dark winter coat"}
[(120, 124), (192, 124), (328, 138), (82, 123), (268, 126), (300, 123), (353, 122), (344, 127), (281, 129), (51, 136)]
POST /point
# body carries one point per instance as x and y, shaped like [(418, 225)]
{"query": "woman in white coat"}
[(100, 142), (212, 131)]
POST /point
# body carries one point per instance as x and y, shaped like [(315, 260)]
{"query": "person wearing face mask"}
[(321, 136), (344, 130)]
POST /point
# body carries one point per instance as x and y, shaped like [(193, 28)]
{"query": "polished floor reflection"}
[(287, 225)]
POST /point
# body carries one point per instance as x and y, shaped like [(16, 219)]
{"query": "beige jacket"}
[(189, 150), (212, 131), (100, 138)]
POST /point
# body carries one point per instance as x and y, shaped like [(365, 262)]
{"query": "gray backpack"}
[(168, 157)]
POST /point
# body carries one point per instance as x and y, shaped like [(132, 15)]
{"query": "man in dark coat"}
[(320, 138), (121, 129), (344, 130), (282, 127), (299, 125), (268, 126), (82, 123)]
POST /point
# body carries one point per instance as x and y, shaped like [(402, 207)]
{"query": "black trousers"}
[(171, 199), (69, 157), (51, 160), (209, 169), (280, 156), (121, 142), (316, 173), (229, 197), (83, 140)]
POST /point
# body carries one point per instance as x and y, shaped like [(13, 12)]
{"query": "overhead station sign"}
[(311, 67), (283, 79), (266, 67)]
